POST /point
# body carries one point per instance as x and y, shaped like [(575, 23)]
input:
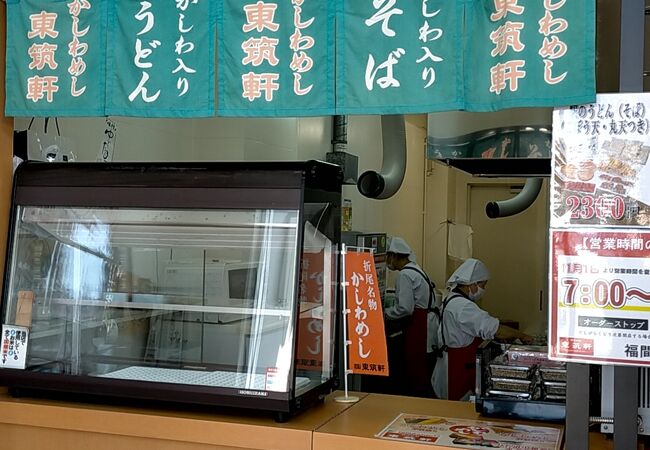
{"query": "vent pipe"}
[(384, 184), (518, 203)]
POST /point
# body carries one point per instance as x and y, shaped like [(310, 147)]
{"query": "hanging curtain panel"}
[(160, 58), (276, 58), (529, 53), (55, 58), (292, 58), (399, 56)]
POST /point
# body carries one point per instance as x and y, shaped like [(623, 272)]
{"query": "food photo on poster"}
[(470, 434), (600, 162)]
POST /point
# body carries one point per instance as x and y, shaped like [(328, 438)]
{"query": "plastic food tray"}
[(527, 354), (505, 370), (511, 384), (555, 398), (554, 388), (553, 374), (509, 394)]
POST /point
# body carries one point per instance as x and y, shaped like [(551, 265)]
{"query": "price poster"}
[(600, 167), (470, 434), (600, 292), (14, 346)]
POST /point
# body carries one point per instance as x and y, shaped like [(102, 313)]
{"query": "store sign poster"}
[(600, 296), (600, 164), (55, 58), (14, 347), (365, 319), (470, 434)]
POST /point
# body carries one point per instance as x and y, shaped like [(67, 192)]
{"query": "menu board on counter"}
[(600, 170), (467, 433), (600, 286)]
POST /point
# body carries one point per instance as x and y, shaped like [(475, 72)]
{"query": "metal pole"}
[(626, 379), (626, 407), (346, 343), (577, 407), (632, 38), (346, 370)]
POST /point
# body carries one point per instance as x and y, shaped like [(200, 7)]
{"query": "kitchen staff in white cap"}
[(415, 296), (462, 328)]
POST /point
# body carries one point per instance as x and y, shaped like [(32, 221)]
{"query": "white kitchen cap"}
[(400, 247), (471, 271)]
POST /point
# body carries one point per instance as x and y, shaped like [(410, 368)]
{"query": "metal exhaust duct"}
[(340, 133), (518, 203), (384, 184)]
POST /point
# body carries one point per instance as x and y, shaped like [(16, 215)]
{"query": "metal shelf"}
[(176, 307), (217, 378)]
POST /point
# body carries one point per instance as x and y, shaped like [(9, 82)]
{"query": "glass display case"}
[(200, 283)]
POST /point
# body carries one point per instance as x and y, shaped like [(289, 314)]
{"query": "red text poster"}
[(365, 321), (309, 355), (600, 296)]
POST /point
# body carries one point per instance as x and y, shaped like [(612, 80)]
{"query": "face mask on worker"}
[(476, 295)]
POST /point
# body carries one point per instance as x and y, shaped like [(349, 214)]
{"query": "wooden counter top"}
[(23, 417), (31, 424), (356, 427)]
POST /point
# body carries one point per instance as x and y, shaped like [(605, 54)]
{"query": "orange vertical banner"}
[(309, 355), (365, 321)]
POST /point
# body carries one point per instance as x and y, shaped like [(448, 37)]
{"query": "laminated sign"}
[(600, 286), (14, 346), (470, 434), (365, 320), (600, 169)]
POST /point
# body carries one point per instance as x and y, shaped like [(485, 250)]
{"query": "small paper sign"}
[(275, 381), (367, 349), (14, 347)]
